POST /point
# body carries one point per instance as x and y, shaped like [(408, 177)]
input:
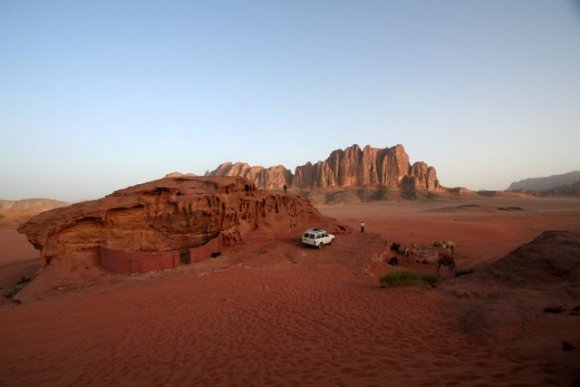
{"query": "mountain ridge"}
[(352, 167), (545, 183)]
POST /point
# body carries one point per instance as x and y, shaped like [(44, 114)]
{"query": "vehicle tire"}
[(320, 245)]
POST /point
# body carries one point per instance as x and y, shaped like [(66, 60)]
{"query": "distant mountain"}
[(546, 183), (385, 169), (273, 178), (15, 212), (179, 174)]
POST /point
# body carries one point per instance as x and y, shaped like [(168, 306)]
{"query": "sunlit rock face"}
[(352, 167)]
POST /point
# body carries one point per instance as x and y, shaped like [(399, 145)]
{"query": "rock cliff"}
[(166, 215), (352, 167)]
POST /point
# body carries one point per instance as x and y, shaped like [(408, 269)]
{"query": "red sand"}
[(17, 259), (276, 313)]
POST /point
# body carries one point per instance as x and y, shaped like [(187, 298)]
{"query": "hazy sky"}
[(99, 95)]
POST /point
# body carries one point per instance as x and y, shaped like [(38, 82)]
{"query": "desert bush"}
[(407, 278)]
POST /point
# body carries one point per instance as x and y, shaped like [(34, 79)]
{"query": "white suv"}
[(317, 237)]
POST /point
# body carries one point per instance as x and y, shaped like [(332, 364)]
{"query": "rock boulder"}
[(167, 215)]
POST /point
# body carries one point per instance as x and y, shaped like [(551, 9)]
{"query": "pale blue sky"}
[(99, 95)]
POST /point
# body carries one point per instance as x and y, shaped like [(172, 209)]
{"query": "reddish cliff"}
[(353, 167), (369, 167), (168, 215)]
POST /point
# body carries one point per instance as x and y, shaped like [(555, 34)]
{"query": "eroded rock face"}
[(271, 178), (170, 214), (423, 177), (353, 167)]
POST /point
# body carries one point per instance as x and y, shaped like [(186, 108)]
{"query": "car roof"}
[(314, 230)]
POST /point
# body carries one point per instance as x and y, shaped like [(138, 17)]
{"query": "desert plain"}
[(272, 312)]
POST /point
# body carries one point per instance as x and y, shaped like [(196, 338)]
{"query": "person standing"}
[(362, 226)]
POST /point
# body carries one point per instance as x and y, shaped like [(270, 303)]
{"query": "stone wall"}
[(205, 251), (129, 262)]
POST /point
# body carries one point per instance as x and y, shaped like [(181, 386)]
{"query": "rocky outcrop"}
[(422, 177), (265, 178), (504, 299), (352, 167), (166, 215)]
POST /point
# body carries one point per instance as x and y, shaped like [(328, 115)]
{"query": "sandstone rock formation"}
[(353, 167), (166, 215), (265, 178)]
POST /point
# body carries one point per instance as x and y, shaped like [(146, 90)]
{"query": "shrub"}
[(407, 278)]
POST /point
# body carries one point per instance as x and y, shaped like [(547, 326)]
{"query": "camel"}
[(413, 250), (396, 247), (448, 245), (446, 260)]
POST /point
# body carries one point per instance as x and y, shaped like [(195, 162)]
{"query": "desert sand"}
[(272, 312)]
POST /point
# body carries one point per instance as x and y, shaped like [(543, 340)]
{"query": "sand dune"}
[(276, 313)]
